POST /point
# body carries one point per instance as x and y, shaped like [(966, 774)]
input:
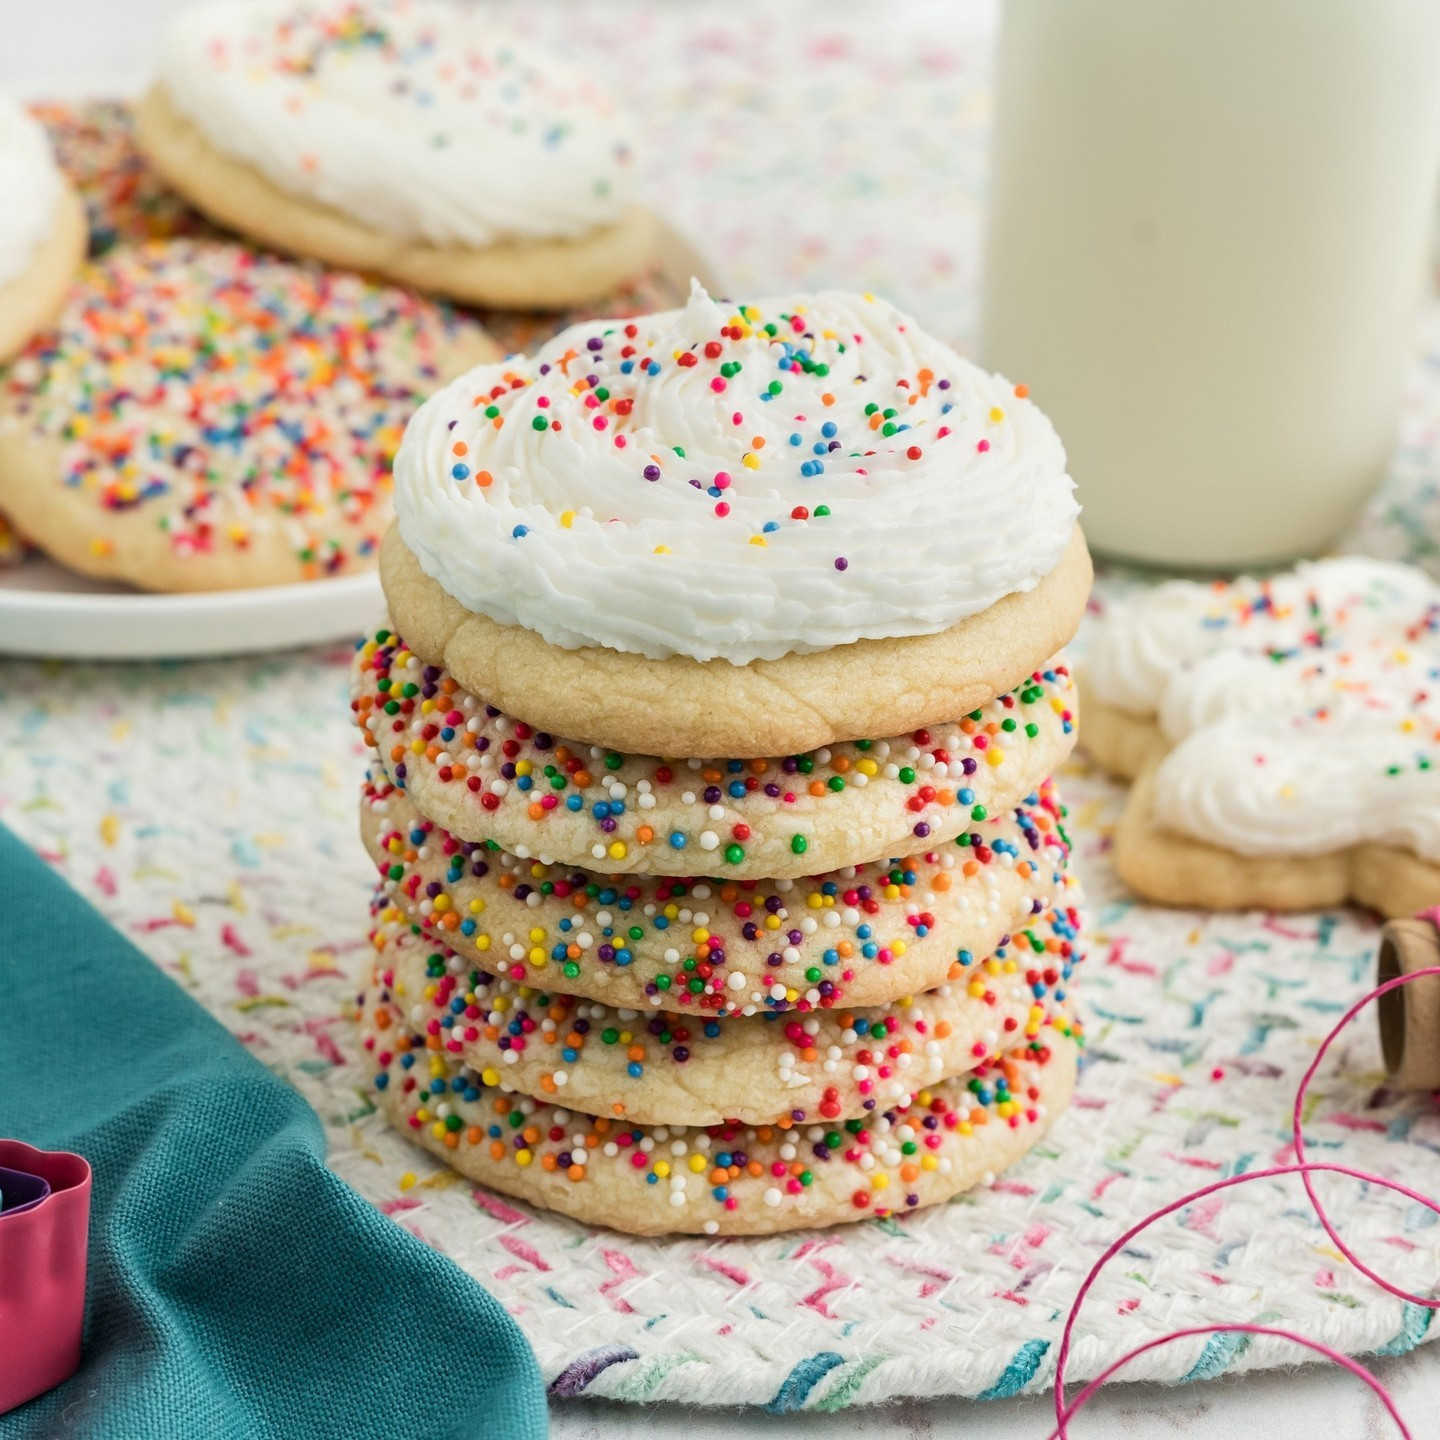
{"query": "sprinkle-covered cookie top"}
[(30, 188), (126, 201), (1304, 710), (231, 397), (735, 480), (418, 118)]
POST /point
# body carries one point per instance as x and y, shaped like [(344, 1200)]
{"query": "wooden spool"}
[(1410, 1014)]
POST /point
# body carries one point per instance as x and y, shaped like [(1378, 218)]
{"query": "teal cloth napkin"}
[(237, 1287)]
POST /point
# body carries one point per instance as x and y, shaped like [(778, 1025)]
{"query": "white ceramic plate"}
[(48, 611)]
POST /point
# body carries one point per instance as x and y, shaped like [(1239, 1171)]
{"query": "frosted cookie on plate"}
[(726, 1179), (1284, 735), (997, 900), (484, 775), (412, 138), (203, 418), (697, 1070), (736, 529), (42, 230)]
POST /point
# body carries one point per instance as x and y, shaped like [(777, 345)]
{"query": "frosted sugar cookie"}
[(412, 138), (1288, 738), (126, 201), (663, 1068), (727, 1179), (864, 935), (203, 418), (736, 529), (42, 230), (485, 776)]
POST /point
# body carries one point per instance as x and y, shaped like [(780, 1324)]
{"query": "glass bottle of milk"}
[(1208, 233)]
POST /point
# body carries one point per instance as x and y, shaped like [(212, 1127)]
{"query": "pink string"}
[(1353, 1366), (1305, 1169), (1297, 1131)]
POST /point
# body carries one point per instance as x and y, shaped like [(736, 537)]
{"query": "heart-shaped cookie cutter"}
[(44, 1244)]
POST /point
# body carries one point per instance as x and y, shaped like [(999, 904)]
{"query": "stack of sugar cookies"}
[(826, 976), (1283, 734)]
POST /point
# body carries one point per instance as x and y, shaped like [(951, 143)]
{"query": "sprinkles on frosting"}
[(227, 394), (740, 481), (1304, 710), (422, 119)]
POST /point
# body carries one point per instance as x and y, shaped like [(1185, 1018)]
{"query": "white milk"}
[(1209, 222)]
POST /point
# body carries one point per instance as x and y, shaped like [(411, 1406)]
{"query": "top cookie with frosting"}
[(731, 488)]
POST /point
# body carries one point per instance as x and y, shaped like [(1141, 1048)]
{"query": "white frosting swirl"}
[(1304, 710), (1267, 785), (418, 118), (735, 481), (30, 189)]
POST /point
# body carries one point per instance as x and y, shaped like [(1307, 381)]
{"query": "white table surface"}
[(103, 47)]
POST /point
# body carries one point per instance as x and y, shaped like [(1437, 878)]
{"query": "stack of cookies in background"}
[(826, 976)]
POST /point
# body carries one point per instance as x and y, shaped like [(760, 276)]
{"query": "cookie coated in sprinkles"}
[(518, 778), (126, 202), (886, 1158), (730, 947), (675, 1068), (229, 394)]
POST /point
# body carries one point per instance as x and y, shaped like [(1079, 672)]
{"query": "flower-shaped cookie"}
[(1285, 736)]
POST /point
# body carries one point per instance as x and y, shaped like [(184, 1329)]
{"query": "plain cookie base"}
[(683, 707), (32, 300), (736, 1075), (1173, 869), (73, 527), (519, 274), (616, 1194)]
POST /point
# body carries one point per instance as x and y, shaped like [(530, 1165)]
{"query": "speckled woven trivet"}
[(209, 811)]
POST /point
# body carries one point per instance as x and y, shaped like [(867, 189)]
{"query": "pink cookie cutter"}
[(44, 1242)]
